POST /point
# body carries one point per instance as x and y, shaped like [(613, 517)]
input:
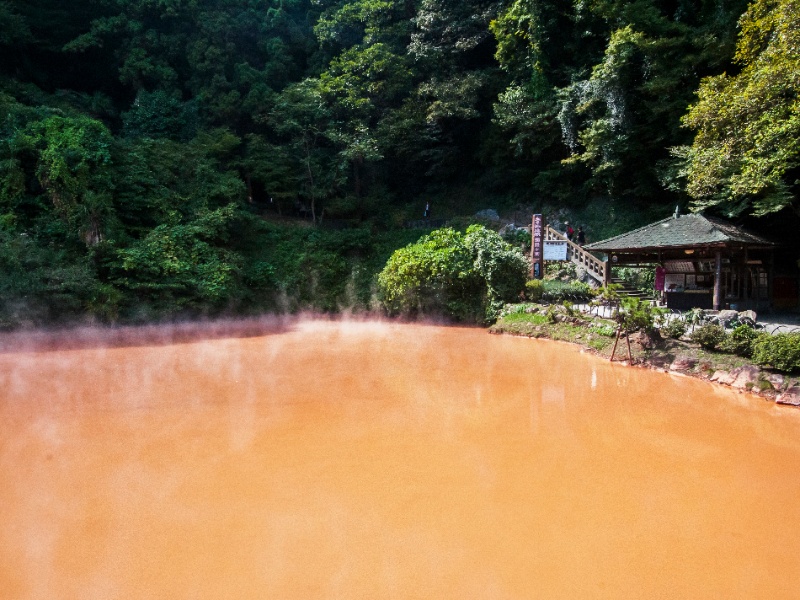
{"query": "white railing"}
[(595, 267)]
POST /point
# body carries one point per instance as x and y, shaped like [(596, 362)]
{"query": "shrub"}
[(534, 290), (569, 309), (432, 275), (708, 336), (517, 236), (608, 293), (465, 276), (607, 296), (637, 314), (693, 317), (780, 351), (673, 328), (501, 267), (740, 341), (557, 291)]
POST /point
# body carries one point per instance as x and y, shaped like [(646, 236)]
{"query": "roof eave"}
[(722, 244), (608, 250)]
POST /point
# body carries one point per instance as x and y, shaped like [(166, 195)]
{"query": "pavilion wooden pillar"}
[(717, 280)]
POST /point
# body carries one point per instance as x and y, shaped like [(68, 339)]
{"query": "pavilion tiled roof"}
[(680, 232)]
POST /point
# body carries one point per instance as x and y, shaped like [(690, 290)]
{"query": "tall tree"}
[(746, 151)]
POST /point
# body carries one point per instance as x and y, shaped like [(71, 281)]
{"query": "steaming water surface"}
[(368, 460)]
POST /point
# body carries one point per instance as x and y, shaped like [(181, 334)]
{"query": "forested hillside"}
[(166, 157)]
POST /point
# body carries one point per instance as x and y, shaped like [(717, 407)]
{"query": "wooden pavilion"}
[(702, 262)]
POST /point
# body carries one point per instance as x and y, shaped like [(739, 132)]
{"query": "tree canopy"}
[(746, 151), (149, 150)]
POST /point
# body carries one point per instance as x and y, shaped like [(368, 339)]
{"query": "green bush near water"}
[(708, 336), (780, 351), (636, 315), (464, 276), (534, 289), (741, 340), (674, 329)]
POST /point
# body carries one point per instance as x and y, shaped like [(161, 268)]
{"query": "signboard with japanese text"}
[(555, 250)]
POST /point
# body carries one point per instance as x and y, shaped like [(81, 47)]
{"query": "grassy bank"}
[(681, 355)]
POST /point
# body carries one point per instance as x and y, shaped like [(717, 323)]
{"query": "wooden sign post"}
[(537, 243)]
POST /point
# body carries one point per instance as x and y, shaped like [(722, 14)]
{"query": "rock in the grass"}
[(790, 396), (746, 377), (683, 363)]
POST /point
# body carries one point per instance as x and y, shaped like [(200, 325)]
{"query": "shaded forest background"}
[(197, 157)]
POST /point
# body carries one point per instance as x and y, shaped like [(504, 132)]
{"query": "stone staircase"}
[(631, 292)]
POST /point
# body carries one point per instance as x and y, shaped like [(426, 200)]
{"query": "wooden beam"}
[(717, 280)]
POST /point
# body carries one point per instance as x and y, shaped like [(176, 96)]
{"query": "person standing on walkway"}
[(581, 236)]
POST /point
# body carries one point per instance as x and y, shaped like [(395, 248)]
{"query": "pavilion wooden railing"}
[(596, 268)]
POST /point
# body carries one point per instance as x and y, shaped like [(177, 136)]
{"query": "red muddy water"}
[(374, 460)]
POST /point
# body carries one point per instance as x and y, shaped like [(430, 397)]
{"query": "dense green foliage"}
[(708, 336), (741, 340), (466, 276), (674, 328), (534, 290), (636, 314), (164, 158), (642, 278), (780, 351), (598, 88), (556, 291), (746, 153)]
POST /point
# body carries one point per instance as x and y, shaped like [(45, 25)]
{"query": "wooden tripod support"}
[(616, 340)]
